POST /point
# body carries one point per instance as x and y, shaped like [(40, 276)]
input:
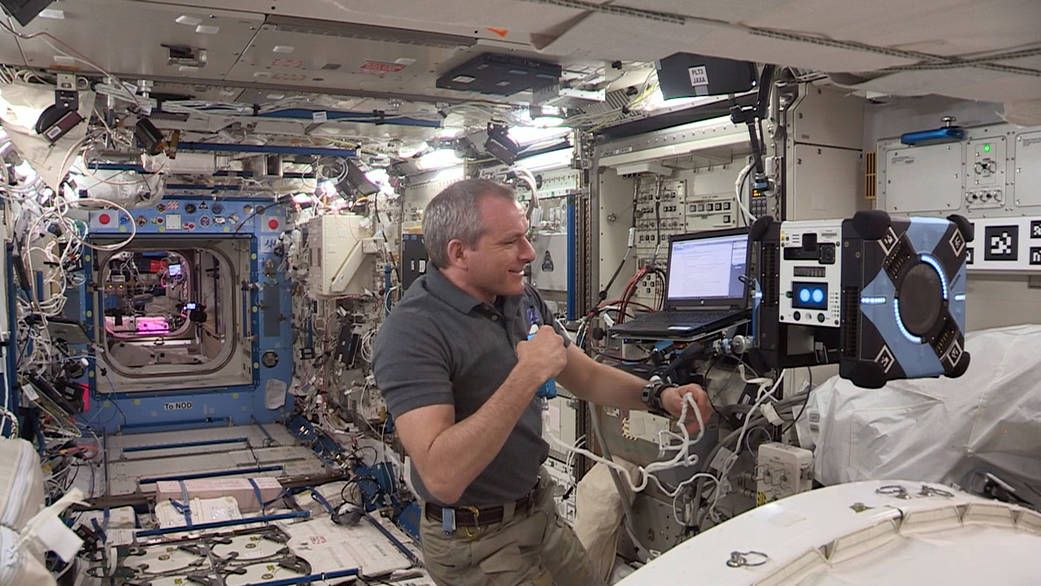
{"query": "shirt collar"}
[(442, 288)]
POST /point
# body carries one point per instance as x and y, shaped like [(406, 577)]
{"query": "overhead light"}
[(546, 121), (656, 101), (283, 49), (542, 116), (410, 150), (451, 174), (377, 175), (439, 159), (450, 132), (529, 134), (545, 161), (52, 13), (205, 29), (188, 20)]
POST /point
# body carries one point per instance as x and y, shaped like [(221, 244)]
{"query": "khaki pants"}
[(532, 547)]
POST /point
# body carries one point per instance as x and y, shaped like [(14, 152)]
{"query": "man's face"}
[(496, 264)]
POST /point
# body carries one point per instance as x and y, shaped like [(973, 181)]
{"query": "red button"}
[(272, 223), (104, 219)]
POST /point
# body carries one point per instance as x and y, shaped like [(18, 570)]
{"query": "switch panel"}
[(782, 471)]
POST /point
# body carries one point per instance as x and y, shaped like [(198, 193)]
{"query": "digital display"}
[(191, 306), (810, 295), (175, 270)]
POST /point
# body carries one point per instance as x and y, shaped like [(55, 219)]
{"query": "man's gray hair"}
[(454, 214)]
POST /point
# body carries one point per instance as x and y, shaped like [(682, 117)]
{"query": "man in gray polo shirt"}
[(460, 377)]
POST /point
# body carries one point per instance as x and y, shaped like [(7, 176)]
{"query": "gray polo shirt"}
[(440, 346)]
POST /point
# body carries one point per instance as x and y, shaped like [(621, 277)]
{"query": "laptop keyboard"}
[(666, 318)]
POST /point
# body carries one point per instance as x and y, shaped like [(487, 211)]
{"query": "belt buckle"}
[(471, 533), (477, 515)]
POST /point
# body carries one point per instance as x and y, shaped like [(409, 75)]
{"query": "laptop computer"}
[(704, 291)]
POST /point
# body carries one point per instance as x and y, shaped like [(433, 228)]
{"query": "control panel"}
[(711, 212), (811, 272), (985, 176), (654, 228)]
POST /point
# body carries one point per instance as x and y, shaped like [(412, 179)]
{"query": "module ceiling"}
[(974, 49)]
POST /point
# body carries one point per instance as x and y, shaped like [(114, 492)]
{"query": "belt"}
[(479, 516)]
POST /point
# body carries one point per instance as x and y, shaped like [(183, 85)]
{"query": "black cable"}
[(805, 402)]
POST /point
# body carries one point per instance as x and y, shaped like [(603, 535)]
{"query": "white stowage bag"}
[(27, 529), (937, 430)]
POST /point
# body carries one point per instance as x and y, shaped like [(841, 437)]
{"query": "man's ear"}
[(457, 254)]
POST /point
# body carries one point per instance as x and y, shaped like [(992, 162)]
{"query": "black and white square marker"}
[(968, 256), (1035, 229), (1002, 243), (1035, 256)]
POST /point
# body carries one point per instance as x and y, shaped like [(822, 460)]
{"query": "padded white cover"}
[(936, 430)]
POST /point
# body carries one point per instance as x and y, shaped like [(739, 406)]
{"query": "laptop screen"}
[(707, 269)]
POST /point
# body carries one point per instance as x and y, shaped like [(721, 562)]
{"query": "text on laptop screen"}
[(706, 268)]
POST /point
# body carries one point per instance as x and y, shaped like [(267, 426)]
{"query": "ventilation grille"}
[(895, 262), (870, 175), (771, 270), (943, 341), (850, 321)]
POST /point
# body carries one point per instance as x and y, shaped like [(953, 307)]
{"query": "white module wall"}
[(993, 177)]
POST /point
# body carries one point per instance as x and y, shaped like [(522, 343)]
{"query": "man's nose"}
[(527, 251)]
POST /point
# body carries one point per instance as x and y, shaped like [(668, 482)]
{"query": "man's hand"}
[(542, 357), (672, 401)]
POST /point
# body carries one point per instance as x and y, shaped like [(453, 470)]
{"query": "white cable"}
[(739, 197), (682, 458), (729, 463)]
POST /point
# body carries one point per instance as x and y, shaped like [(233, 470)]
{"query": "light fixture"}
[(450, 132), (407, 151), (557, 159), (656, 101), (439, 159), (544, 116), (378, 176), (526, 135)]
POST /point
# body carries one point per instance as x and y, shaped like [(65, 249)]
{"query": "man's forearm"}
[(461, 452), (612, 387)]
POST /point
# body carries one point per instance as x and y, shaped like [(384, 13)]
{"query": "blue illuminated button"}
[(804, 295), (818, 295)]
